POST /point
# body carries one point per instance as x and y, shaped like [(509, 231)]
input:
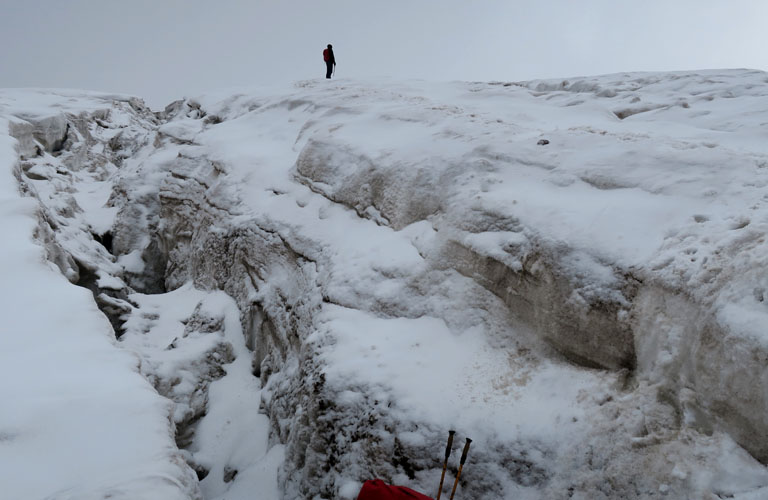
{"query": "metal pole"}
[(445, 463), (461, 466)]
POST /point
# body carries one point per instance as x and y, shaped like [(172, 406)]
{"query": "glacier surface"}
[(293, 290)]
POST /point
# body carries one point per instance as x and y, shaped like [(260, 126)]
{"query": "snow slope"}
[(77, 420), (404, 258)]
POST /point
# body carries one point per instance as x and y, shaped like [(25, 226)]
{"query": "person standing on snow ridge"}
[(330, 60)]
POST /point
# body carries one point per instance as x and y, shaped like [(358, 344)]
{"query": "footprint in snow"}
[(739, 224)]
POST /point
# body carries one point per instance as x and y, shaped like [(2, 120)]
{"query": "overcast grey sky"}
[(162, 50)]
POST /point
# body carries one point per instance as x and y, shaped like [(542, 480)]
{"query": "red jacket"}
[(376, 489)]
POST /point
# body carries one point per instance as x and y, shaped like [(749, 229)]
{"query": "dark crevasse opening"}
[(113, 303), (105, 239)]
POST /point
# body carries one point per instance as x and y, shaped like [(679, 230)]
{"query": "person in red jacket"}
[(330, 60)]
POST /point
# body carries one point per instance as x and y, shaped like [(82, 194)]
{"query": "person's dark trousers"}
[(329, 69)]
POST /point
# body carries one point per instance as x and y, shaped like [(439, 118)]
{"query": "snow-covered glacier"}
[(280, 293)]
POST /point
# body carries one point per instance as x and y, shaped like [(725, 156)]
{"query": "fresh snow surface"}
[(78, 421), (663, 174)]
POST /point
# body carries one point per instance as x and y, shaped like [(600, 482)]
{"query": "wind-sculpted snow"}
[(353, 269)]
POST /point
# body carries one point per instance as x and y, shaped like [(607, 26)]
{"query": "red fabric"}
[(326, 55), (376, 489)]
